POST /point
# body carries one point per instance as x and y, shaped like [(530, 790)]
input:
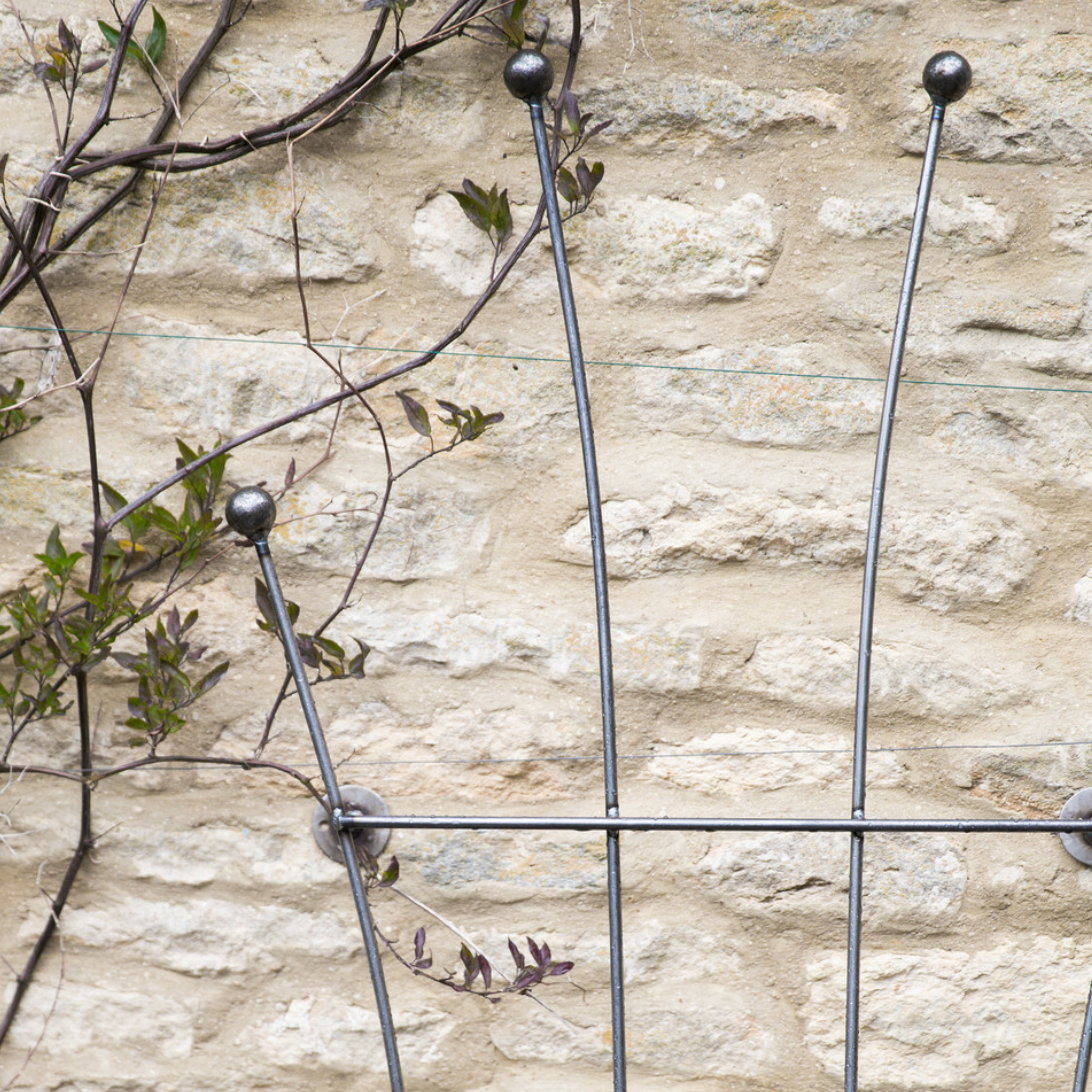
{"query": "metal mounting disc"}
[(1078, 846), (355, 801)]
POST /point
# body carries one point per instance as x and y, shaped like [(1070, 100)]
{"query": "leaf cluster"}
[(319, 653), (63, 61), (155, 532), (468, 424), (147, 52), (507, 23), (488, 211), (475, 972), (164, 686), (13, 421)]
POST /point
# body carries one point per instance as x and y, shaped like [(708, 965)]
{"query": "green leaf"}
[(477, 212), (567, 186), (416, 414), (156, 40)]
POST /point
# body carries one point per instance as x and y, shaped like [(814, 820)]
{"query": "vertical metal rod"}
[(252, 512), (947, 77), (529, 76), (1080, 1081)]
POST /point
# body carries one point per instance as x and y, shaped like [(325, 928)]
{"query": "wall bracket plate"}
[(355, 801), (1078, 846)]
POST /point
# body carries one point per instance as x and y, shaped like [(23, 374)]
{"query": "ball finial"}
[(251, 512), (947, 77), (528, 74)]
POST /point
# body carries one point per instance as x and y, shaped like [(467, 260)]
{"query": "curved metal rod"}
[(1080, 1080), (252, 512), (529, 75), (947, 78)]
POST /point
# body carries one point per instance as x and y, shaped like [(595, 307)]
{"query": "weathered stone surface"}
[(444, 242), (284, 856), (97, 1022), (328, 1034), (675, 109), (506, 866), (941, 555), (204, 937), (940, 1017), (423, 533), (915, 882), (197, 383), (465, 642), (750, 759), (975, 224), (655, 249), (756, 395), (820, 671), (1080, 600), (240, 225), (40, 497), (782, 26), (1044, 440), (1029, 103)]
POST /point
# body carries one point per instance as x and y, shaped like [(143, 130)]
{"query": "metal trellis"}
[(251, 512)]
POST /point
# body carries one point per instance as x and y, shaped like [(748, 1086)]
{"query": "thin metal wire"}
[(1080, 1080), (759, 373), (868, 600), (333, 793), (602, 606)]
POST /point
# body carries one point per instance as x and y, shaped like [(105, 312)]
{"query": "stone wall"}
[(737, 278)]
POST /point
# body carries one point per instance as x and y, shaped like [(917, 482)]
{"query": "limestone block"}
[(465, 642), (911, 678), (975, 224), (39, 497), (681, 530), (949, 320), (744, 759), (756, 396), (776, 24), (505, 866), (939, 1017), (655, 249), (1072, 227), (274, 81), (723, 1033), (961, 553), (445, 243), (940, 555), (544, 1037), (423, 535), (98, 1022), (207, 937), (1030, 103), (1046, 441), (669, 108), (238, 223), (914, 882), (282, 855), (327, 1034), (200, 385), (1080, 601)]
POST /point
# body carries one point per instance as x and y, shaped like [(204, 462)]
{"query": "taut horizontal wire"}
[(402, 351)]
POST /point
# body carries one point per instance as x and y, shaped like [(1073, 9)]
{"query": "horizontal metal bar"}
[(620, 823)]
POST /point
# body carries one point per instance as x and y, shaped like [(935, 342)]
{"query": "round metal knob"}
[(354, 801), (528, 74), (251, 512), (947, 77), (1078, 846)]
